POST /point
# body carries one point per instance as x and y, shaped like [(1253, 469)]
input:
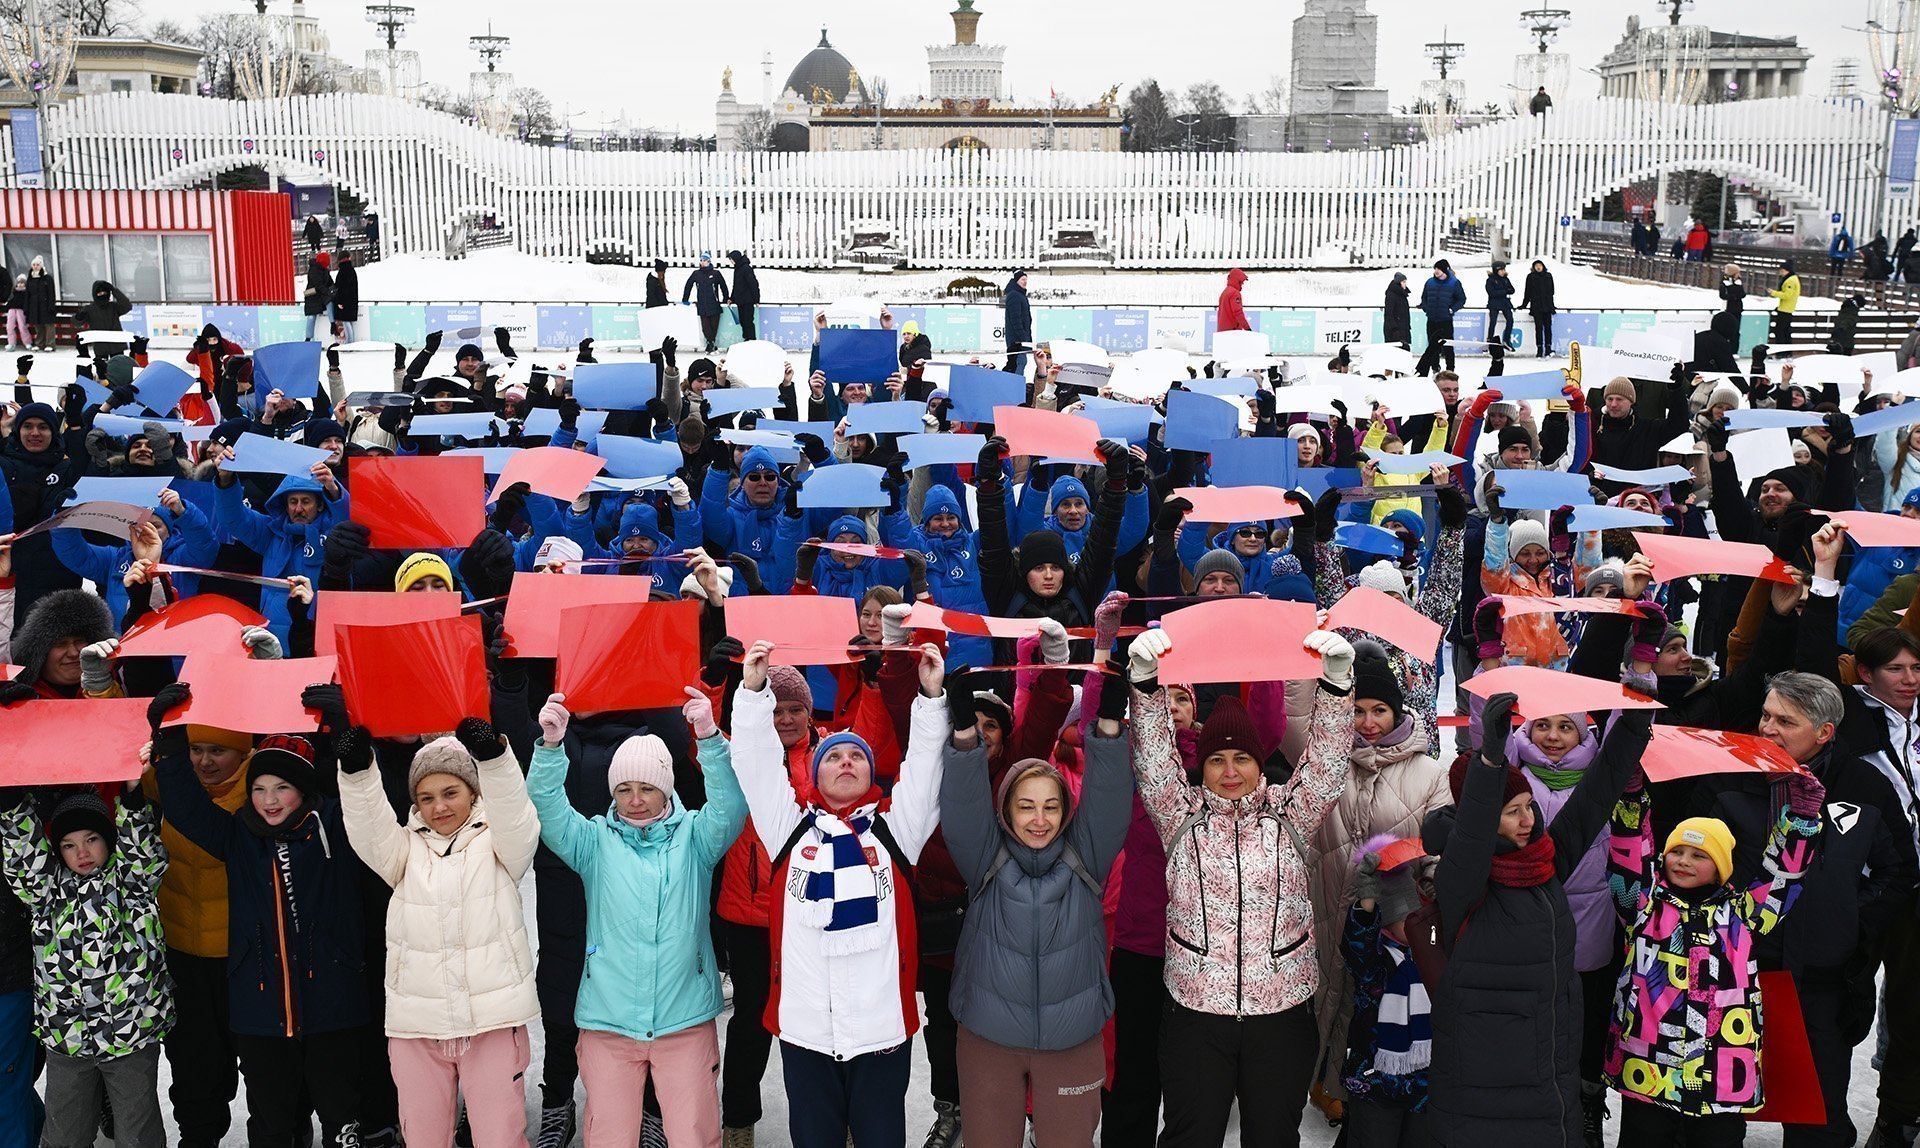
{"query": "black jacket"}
[(1086, 582), (1397, 326), (103, 313), (39, 298), (346, 294), (711, 289), (321, 284), (746, 285), (1537, 299), (1507, 1011), (1634, 443), (657, 291)]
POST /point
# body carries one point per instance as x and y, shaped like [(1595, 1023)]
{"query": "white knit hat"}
[(643, 759), (1385, 577), (557, 548), (690, 585), (1523, 533)]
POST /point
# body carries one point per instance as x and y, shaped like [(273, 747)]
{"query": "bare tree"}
[(171, 32), (88, 17), (755, 132), (1206, 98), (532, 112)]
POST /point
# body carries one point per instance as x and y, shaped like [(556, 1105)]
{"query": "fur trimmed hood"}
[(60, 615)]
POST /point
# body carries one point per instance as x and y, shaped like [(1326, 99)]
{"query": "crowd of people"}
[(1111, 895)]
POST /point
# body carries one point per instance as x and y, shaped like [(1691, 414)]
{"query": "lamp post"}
[(393, 20)]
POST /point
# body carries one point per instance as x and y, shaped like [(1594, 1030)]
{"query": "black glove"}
[(138, 347), (720, 661), (333, 358), (503, 340), (667, 347), (584, 353), (1138, 473), (987, 466), (399, 356), (394, 418), (869, 661), (960, 707), (569, 413), (346, 545), (804, 559), (748, 571), (499, 643), (1326, 512), (657, 415), (1110, 451), (1113, 699), (792, 503), (330, 703), (76, 404), (916, 573), (479, 738), (433, 342), (171, 697), (353, 749), (486, 565), (1496, 722), (511, 504), (1494, 511), (120, 395), (1678, 376), (23, 365), (11, 692), (812, 446), (1263, 402), (1717, 436), (1840, 427), (1453, 507), (1171, 513)]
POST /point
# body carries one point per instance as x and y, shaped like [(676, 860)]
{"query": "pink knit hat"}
[(789, 685), (643, 759)]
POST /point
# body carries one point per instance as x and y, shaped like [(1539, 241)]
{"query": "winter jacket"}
[(284, 547), (1687, 1029), (1499, 293), (657, 291), (841, 1003), (1533, 639), (103, 312), (193, 895), (953, 568), (1633, 442), (1507, 1011), (346, 294), (100, 985), (190, 542), (1886, 448), (1874, 569), (1397, 325), (1788, 293), (1537, 297), (647, 898), (458, 962), (711, 287), (736, 525), (746, 284), (1240, 935), (319, 291), (1396, 782), (1086, 583), (40, 299), (1233, 316), (295, 955), (637, 520), (1034, 510), (1018, 322), (1031, 970), (1440, 298)]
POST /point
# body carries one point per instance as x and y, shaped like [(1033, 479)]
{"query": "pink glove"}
[(1106, 620)]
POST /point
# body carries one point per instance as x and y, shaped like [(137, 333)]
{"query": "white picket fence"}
[(422, 170)]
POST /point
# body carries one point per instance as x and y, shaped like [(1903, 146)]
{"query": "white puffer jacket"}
[(458, 961)]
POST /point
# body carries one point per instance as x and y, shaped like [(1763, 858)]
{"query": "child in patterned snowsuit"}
[(101, 998)]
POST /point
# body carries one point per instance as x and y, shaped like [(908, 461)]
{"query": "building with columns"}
[(1738, 67)]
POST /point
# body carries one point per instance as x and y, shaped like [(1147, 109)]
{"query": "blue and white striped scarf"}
[(1403, 1033), (840, 891)]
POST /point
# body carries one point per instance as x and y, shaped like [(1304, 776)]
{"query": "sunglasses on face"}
[(1250, 532), (762, 476)]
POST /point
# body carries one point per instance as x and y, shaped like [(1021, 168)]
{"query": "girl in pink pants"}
[(19, 338)]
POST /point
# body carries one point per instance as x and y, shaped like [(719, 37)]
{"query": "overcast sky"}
[(659, 63)]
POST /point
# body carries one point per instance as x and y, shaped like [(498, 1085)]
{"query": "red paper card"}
[(1682, 751), (1047, 434), (1789, 1084), (250, 695), (88, 741), (806, 630), (1515, 605), (1543, 692), (628, 656), (1239, 640), (414, 678), (1870, 529), (536, 601), (1225, 504), (376, 608), (1676, 556), (1385, 616), (927, 616), (419, 503), (206, 622), (556, 471)]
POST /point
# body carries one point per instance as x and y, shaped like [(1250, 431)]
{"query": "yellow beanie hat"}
[(213, 735), (1711, 836), (418, 566)]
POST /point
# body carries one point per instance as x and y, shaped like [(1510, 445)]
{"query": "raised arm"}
[(1789, 854), (759, 761), (719, 821), (915, 812), (562, 828)]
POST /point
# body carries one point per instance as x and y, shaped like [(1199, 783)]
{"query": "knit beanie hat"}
[(1523, 533), (288, 757), (844, 737), (690, 585), (644, 759), (421, 565), (557, 548), (1622, 387), (1218, 561), (1040, 548), (1373, 678), (1711, 836), (1229, 726), (444, 755), (1513, 434), (318, 431), (1609, 573), (1724, 394), (789, 685), (1516, 782), (1383, 576), (1299, 431), (1791, 477), (81, 811), (213, 735)]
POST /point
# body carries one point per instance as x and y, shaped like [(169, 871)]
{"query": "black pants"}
[(1438, 348), (746, 311), (1839, 1014), (1650, 1126), (941, 1033), (744, 1064), (1782, 329), (710, 327), (284, 1074), (201, 1050), (864, 1097), (1543, 335), (1208, 1061), (1371, 1124), (1899, 1091), (1596, 1014), (1494, 315), (561, 916), (1130, 1110)]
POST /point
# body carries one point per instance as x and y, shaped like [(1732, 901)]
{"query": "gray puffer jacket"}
[(1031, 970)]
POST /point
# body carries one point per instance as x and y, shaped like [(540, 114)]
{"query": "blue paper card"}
[(1199, 422), (1533, 385), (629, 457), (1905, 414), (1368, 539), (886, 418), (1655, 476), (132, 491), (1585, 518), (822, 430), (1542, 489), (1255, 462), (257, 454), (546, 420), (850, 485), (732, 400), (293, 369), (120, 426), (1127, 422), (973, 392), (780, 446), (465, 424), (1421, 463), (616, 386), (941, 449), (161, 387), (493, 458), (849, 355), (1747, 418)]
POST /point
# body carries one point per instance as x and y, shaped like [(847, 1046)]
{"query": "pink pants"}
[(489, 1070), (17, 333), (686, 1072)]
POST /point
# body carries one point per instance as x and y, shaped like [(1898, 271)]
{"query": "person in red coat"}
[(1233, 317)]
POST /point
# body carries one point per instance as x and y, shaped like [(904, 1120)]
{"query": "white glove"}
[(96, 673), (260, 643), (1053, 642), (1143, 657), (698, 711), (1336, 657), (553, 720), (677, 490), (893, 624)]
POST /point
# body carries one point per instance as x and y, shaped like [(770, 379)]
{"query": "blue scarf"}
[(840, 892), (1403, 1033)]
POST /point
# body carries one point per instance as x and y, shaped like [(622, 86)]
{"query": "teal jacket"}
[(650, 967)]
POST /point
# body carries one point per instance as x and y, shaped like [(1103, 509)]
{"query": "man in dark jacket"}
[(1439, 300), (713, 296), (1499, 302), (1537, 301), (1538, 105), (1397, 324), (102, 313), (1018, 323), (746, 291), (657, 285), (318, 297), (346, 298), (1625, 441), (39, 463)]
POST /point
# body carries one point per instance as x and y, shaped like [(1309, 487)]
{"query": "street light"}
[(1545, 24), (393, 20)]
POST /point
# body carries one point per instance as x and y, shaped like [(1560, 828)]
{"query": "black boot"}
[(1593, 1113)]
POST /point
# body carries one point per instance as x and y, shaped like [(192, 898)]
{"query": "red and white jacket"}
[(848, 1004)]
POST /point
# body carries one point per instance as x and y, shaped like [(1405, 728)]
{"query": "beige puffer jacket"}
[(1391, 791), (458, 960)]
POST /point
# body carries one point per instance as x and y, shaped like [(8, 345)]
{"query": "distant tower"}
[(1844, 82), (964, 69), (1336, 45), (766, 79)]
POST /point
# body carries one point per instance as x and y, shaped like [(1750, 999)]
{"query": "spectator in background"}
[(746, 292), (1018, 323), (712, 289), (318, 297), (346, 298), (1232, 315), (1397, 326), (1439, 300)]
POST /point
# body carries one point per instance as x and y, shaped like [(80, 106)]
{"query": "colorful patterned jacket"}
[(1687, 1016)]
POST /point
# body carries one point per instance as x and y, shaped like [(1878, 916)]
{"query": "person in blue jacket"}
[(639, 536), (1874, 569), (746, 520), (289, 536), (839, 576), (186, 540), (953, 565), (1440, 299), (1071, 513)]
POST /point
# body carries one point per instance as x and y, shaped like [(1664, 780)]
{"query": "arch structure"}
[(975, 209)]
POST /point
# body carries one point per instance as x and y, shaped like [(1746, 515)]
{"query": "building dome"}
[(824, 68)]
